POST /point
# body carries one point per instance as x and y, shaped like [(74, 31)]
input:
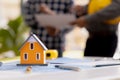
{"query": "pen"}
[(67, 67), (55, 63), (102, 65)]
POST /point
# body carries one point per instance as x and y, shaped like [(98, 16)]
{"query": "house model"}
[(33, 51)]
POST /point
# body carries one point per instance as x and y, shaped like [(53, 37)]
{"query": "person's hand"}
[(78, 10), (81, 22), (52, 31), (45, 9)]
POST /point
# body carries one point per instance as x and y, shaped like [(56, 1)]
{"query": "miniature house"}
[(33, 51)]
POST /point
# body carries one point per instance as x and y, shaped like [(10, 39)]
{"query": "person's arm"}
[(110, 12), (29, 12), (46, 10), (29, 15)]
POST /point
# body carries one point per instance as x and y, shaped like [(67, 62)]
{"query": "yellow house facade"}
[(33, 51)]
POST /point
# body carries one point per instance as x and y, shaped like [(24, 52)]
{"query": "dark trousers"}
[(101, 46)]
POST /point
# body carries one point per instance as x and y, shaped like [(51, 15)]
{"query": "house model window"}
[(38, 56), (31, 46), (25, 56)]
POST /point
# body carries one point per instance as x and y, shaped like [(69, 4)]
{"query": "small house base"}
[(32, 64)]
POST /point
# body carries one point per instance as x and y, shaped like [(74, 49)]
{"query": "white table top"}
[(99, 73)]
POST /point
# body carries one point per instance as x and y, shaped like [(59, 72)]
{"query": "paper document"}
[(59, 21), (85, 63), (94, 64)]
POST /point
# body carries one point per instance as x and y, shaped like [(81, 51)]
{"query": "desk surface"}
[(9, 71)]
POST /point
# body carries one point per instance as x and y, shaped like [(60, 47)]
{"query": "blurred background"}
[(12, 34)]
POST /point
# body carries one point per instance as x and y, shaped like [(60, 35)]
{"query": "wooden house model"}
[(32, 52)]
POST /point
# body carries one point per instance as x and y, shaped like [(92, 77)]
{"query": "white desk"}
[(101, 73)]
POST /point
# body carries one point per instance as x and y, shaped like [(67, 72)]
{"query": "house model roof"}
[(34, 38)]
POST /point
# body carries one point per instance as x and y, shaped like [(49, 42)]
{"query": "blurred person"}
[(101, 25), (51, 37)]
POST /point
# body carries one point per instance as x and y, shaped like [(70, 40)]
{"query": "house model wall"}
[(33, 51)]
